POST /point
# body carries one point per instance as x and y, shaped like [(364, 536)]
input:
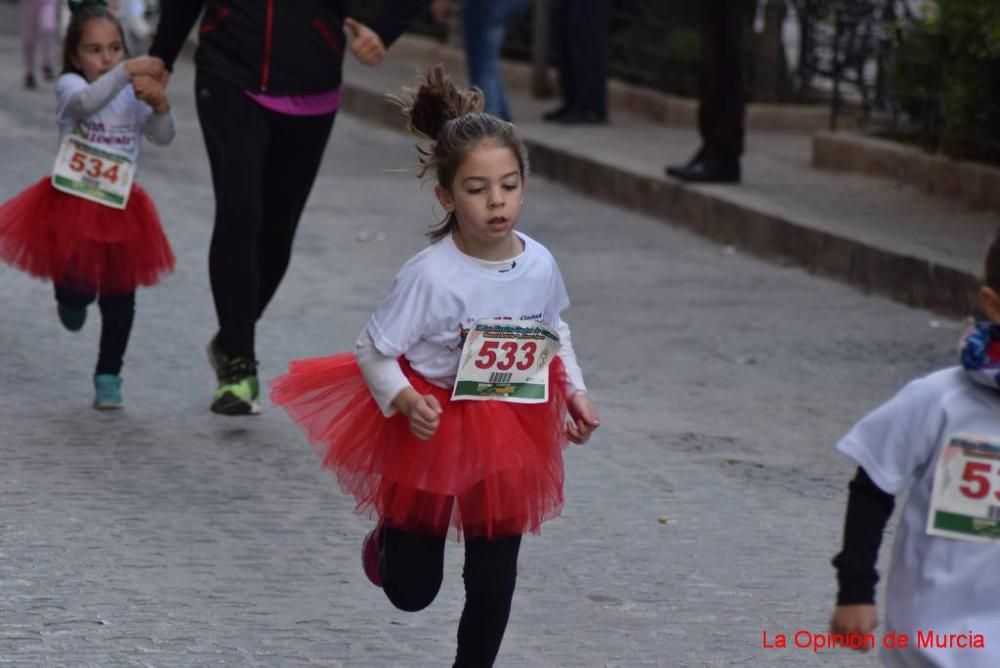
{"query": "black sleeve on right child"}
[(868, 511)]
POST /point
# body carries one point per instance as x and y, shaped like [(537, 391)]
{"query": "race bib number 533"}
[(965, 500), (93, 171), (506, 360)]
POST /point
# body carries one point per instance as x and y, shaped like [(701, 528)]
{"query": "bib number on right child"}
[(965, 499)]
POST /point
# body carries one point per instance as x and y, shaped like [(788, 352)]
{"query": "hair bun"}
[(79, 5), (436, 101)]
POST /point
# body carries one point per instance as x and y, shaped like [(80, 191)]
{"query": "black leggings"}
[(412, 567), (117, 313), (263, 167)]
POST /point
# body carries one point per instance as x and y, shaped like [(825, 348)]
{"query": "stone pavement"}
[(873, 233), (703, 513)]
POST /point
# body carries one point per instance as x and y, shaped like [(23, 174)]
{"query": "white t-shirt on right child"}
[(935, 584)]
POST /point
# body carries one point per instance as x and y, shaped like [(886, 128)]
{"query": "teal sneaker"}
[(107, 392), (72, 318), (238, 389)]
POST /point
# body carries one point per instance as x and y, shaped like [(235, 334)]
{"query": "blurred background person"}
[(37, 20), (138, 31), (484, 26), (581, 37), (721, 96)]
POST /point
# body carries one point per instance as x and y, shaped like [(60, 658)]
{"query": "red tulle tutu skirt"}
[(82, 244), (492, 469)]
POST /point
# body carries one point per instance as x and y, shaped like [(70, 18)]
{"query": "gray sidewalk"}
[(873, 233)]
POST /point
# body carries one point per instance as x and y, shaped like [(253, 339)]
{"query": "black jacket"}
[(282, 47)]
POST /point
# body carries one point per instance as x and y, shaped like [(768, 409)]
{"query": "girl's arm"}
[(383, 374), (568, 356), (78, 99), (584, 416), (159, 128), (392, 391)]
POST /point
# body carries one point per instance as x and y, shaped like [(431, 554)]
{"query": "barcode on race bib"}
[(500, 377)]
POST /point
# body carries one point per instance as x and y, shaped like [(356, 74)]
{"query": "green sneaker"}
[(238, 389), (107, 392)]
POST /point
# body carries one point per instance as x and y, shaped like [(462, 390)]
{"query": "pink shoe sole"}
[(370, 555)]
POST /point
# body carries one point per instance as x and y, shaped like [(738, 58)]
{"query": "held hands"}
[(148, 65), (152, 92), (422, 410), (584, 418), (854, 619), (366, 45)]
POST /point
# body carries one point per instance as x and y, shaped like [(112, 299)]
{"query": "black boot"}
[(707, 170)]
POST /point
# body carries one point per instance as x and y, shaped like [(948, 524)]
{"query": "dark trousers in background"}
[(263, 168), (117, 314), (722, 98), (581, 38), (412, 568)]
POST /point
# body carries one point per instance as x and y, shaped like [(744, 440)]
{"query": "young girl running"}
[(450, 413), (87, 226)]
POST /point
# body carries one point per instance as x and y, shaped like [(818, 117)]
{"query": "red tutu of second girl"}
[(492, 468), (82, 244)]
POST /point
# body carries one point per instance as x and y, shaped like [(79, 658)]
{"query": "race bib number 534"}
[(965, 500), (93, 171), (506, 360)]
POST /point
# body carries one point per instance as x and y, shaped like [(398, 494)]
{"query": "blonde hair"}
[(452, 122)]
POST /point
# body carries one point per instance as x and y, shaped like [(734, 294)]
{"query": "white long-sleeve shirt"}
[(108, 112)]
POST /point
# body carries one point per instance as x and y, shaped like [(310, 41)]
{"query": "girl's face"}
[(486, 197), (101, 48)]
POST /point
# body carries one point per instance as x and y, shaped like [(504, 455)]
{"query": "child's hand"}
[(857, 619), (152, 92), (422, 410), (148, 65), (366, 45), (584, 418)]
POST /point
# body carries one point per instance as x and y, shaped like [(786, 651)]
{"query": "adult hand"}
[(584, 418), (148, 65), (854, 619), (366, 45)]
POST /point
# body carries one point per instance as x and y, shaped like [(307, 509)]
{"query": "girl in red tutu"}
[(451, 414), (87, 227)]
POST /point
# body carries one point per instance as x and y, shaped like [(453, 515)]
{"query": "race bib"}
[(93, 171), (506, 360), (965, 500)]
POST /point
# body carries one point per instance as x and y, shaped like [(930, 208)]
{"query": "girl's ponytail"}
[(438, 100), (453, 121)]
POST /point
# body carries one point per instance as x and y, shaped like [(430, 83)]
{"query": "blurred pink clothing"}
[(38, 29)]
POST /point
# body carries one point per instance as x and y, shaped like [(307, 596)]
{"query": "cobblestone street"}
[(704, 512)]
